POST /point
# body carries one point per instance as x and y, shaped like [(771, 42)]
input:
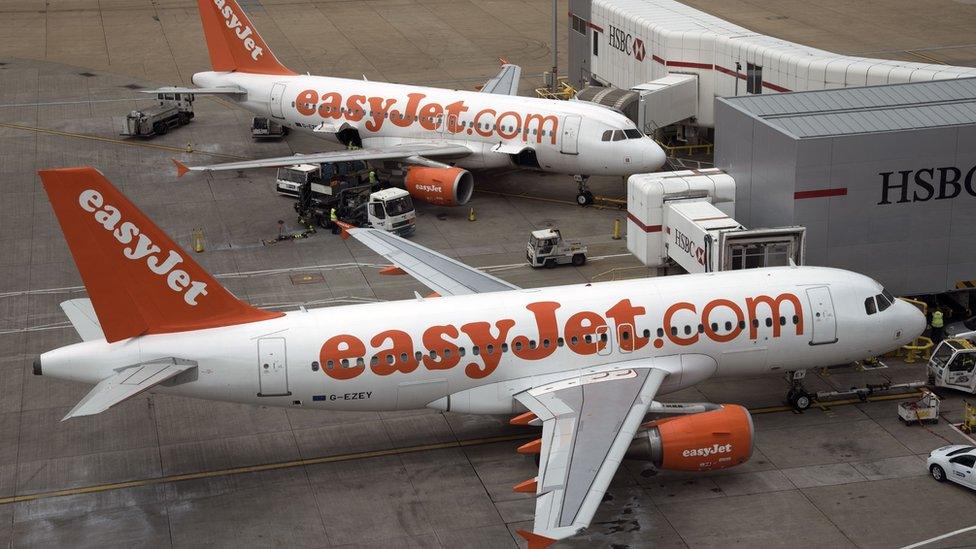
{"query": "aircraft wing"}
[(438, 272), (506, 82), (223, 90), (127, 383), (405, 152), (588, 423)]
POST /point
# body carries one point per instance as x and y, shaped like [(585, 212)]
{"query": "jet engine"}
[(446, 186), (706, 441)]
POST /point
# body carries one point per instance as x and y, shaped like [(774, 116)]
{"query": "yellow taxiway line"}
[(127, 142), (359, 455)]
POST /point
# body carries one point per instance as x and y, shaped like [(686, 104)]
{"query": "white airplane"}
[(584, 361), (431, 135)]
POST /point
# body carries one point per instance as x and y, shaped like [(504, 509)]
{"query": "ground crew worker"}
[(333, 218), (372, 177), (938, 329)]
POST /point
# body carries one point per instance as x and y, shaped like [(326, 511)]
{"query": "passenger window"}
[(769, 322), (560, 342), (714, 326), (782, 321), (607, 135), (869, 306), (418, 355), (742, 324), (687, 330), (660, 332), (475, 350), (518, 345)]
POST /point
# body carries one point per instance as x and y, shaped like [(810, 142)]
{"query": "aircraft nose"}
[(654, 156), (913, 321)]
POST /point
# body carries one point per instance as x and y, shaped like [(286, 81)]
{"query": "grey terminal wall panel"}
[(884, 177)]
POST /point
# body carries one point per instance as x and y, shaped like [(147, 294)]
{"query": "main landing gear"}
[(583, 195), (797, 396)]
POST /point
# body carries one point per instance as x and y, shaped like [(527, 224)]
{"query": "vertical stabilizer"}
[(234, 43), (138, 279)]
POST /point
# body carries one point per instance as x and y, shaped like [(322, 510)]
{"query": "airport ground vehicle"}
[(174, 109), (345, 186), (955, 463), (547, 248), (953, 364), (923, 410), (265, 128)]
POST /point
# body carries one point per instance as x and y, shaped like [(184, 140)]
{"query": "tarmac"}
[(165, 471)]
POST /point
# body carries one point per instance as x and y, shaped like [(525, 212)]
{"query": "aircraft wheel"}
[(800, 400), (584, 198)]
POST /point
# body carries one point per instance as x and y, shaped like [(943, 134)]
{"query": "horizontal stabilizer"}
[(82, 316), (127, 383), (222, 90)]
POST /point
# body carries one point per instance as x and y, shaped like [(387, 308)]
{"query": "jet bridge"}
[(686, 218), (652, 105)]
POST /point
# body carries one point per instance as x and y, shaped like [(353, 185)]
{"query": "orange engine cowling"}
[(717, 439), (440, 186)]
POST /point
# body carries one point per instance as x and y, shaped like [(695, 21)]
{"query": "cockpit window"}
[(606, 135), (888, 295), (633, 133), (869, 306), (883, 302), (618, 135)]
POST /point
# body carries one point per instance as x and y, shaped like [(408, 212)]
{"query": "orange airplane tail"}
[(139, 280), (234, 43)]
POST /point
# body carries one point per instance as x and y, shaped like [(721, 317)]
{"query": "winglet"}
[(181, 168), (535, 540)]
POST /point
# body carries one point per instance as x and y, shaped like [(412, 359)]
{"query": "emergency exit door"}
[(274, 102), (824, 330), (272, 367), (570, 135)]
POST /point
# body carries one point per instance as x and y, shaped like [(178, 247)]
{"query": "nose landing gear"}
[(583, 196), (797, 397)]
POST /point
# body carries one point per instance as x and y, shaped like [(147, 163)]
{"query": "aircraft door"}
[(570, 135), (276, 99), (822, 313), (962, 370), (272, 367)]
